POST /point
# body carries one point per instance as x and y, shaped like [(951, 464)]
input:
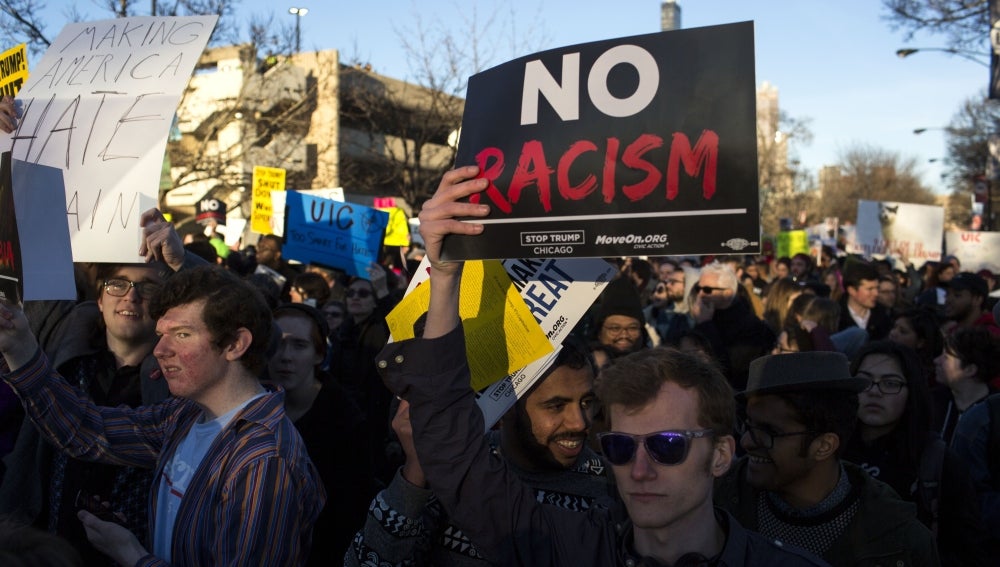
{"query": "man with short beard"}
[(668, 312), (671, 418), (543, 438), (965, 303)]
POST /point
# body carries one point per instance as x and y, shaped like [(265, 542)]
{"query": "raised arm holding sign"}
[(665, 458)]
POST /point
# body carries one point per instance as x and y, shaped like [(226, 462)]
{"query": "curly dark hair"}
[(230, 304)]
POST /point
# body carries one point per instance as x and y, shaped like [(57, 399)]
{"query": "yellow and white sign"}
[(265, 180)]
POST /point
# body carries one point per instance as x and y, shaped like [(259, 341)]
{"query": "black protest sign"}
[(635, 146), (11, 271)]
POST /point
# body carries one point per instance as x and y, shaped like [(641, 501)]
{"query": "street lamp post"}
[(973, 56), (298, 13)]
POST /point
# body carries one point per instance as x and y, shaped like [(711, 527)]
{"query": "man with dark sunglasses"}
[(104, 348), (669, 443), (726, 319), (792, 485)]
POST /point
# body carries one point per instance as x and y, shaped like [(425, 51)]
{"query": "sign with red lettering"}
[(902, 230), (976, 250), (633, 146)]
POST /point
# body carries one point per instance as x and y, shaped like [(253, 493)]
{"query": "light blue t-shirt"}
[(179, 471)]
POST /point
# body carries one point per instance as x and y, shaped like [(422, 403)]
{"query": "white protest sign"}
[(976, 250), (903, 230), (99, 106)]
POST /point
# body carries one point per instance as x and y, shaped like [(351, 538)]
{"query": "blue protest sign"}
[(336, 234)]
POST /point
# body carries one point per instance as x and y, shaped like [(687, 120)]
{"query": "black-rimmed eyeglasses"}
[(119, 287), (764, 438), (886, 385)]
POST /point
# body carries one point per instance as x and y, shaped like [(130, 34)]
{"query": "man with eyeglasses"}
[(621, 324), (793, 484), (105, 349), (728, 322), (668, 443)]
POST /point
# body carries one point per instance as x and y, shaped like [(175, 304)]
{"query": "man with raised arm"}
[(671, 419), (232, 483)]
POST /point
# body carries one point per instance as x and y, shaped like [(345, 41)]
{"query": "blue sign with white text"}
[(333, 233)]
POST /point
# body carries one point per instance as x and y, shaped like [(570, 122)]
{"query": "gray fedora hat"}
[(798, 371)]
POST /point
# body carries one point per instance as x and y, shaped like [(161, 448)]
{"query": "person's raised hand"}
[(439, 216), (17, 344), (8, 114), (379, 279), (160, 241)]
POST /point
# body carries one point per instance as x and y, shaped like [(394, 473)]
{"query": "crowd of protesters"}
[(204, 410)]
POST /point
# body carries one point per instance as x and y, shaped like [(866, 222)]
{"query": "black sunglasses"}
[(709, 290), (664, 447), (362, 293)]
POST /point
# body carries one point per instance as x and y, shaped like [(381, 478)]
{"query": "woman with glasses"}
[(894, 443)]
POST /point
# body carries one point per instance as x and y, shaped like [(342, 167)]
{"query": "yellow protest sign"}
[(791, 242), (13, 69), (501, 335), (265, 180), (397, 232)]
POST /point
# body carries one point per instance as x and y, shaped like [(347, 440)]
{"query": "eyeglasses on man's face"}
[(664, 447), (119, 287), (764, 437), (615, 330)]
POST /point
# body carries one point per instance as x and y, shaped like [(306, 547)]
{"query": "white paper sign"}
[(976, 250), (99, 105), (901, 230)]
